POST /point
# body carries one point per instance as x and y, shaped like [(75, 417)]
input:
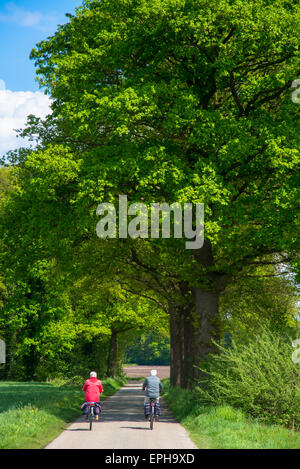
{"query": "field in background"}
[(140, 371)]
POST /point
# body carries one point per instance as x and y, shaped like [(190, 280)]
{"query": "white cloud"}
[(15, 106), (13, 13)]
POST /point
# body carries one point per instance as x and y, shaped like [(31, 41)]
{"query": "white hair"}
[(153, 372), (93, 374)]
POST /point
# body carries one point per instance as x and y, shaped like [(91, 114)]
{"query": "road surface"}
[(122, 425)]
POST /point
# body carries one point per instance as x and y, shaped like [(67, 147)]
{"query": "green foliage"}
[(170, 101), (193, 102), (253, 302), (174, 101), (223, 426), (150, 349), (258, 377)]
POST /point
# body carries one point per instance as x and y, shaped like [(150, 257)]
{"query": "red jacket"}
[(93, 388)]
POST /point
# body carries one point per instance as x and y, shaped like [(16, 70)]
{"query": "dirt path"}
[(122, 425)]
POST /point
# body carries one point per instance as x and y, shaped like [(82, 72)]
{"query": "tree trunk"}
[(201, 319), (205, 328), (188, 358), (192, 330), (113, 355), (176, 345), (195, 323)]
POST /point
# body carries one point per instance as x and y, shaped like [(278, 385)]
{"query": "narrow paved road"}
[(122, 425)]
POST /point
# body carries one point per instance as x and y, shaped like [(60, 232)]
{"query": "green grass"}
[(224, 427), (33, 414), (140, 378)]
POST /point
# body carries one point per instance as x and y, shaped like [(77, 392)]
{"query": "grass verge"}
[(224, 427), (140, 378), (33, 414)]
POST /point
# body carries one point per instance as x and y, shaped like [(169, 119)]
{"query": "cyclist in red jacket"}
[(92, 388)]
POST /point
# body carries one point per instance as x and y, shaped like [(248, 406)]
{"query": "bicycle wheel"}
[(151, 419), (91, 418)]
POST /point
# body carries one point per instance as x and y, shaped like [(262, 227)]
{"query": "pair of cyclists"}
[(93, 388)]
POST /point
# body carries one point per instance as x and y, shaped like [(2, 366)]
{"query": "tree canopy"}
[(167, 101)]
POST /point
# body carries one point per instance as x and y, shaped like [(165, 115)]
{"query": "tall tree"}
[(175, 101)]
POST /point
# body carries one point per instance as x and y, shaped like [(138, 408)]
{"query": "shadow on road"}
[(137, 428), (78, 430)]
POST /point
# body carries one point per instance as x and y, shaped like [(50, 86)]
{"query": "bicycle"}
[(91, 414), (153, 412)]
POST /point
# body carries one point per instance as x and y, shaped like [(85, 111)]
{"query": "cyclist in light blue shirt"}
[(153, 387)]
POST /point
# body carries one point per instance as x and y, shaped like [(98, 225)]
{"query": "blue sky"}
[(24, 23)]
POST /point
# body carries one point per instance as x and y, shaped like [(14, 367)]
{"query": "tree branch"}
[(235, 94)]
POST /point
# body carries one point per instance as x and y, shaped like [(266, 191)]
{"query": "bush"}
[(74, 381), (110, 384), (224, 427), (259, 378)]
